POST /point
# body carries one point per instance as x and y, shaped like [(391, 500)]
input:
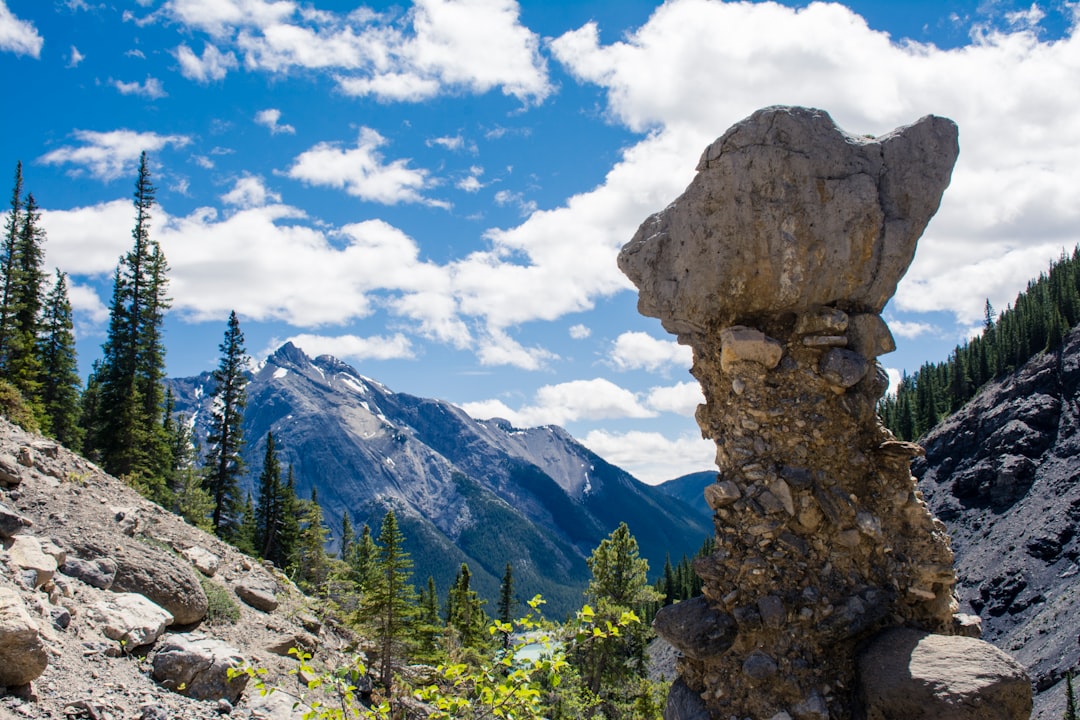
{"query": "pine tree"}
[(60, 383), (8, 260), (224, 462), (465, 610), (390, 603), (362, 558), (291, 512), (310, 568), (1070, 699), (429, 625), (506, 595), (128, 433), (22, 364), (348, 535), (245, 535), (269, 509)]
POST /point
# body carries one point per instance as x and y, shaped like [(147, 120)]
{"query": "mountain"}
[(1003, 473), (689, 488), (481, 492)]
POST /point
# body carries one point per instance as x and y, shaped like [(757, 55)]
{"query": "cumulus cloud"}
[(437, 46), (212, 65), (350, 347), (75, 57), (641, 351), (250, 192), (361, 171), (18, 36), (596, 399), (109, 155), (579, 331), (150, 88), (681, 399), (269, 118), (650, 456), (909, 329)]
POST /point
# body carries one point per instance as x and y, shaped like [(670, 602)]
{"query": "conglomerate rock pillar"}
[(774, 266)]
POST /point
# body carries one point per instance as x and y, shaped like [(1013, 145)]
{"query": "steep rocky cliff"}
[(1002, 473), (481, 492)]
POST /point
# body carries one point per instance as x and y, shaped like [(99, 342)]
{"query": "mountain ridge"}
[(481, 492)]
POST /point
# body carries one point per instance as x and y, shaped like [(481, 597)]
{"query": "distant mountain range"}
[(481, 492)]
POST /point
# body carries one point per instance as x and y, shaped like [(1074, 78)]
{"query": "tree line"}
[(1037, 321)]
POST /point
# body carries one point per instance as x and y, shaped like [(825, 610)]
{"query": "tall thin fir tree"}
[(506, 595), (60, 385), (268, 511), (311, 569), (129, 435), (1070, 698), (8, 258), (390, 603), (224, 463), (22, 363)]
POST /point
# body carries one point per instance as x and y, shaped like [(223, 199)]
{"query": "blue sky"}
[(436, 192)]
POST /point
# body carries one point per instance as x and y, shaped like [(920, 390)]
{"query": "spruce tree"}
[(128, 433), (506, 595), (362, 558), (60, 383), (268, 506), (224, 464), (465, 610), (8, 259), (311, 568), (389, 605), (22, 364), (348, 535), (1070, 698)]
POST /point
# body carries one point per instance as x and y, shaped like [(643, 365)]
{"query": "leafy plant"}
[(221, 608)]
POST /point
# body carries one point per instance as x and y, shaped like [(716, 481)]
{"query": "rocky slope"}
[(1002, 474), (81, 552), (485, 493)]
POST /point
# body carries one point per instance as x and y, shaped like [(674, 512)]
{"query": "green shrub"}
[(221, 608), (14, 407)]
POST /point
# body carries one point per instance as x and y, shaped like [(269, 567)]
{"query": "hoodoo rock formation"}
[(774, 266)]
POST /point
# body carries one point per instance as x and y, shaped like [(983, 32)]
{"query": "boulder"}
[(789, 213), (26, 553), (198, 666), (684, 704), (907, 674), (10, 471), (130, 619), (204, 561), (98, 573), (11, 522), (257, 594), (695, 629), (22, 653), (158, 575), (303, 641), (276, 706)]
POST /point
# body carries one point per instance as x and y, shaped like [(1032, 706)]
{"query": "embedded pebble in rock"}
[(774, 266)]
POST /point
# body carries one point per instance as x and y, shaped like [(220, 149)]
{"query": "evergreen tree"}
[(465, 610), (60, 383), (506, 595), (22, 363), (389, 605), (8, 261), (245, 536), (362, 559), (128, 435), (348, 535), (270, 507), (89, 411), (224, 462), (1070, 699), (429, 625), (310, 569), (291, 514), (619, 585)]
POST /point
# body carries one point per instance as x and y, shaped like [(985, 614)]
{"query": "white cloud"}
[(909, 330), (213, 65), (580, 332), (109, 155), (651, 457), (361, 171), (86, 303), (18, 36), (438, 46), (269, 118), (202, 161), (450, 142), (497, 348), (350, 347), (150, 88), (1012, 96), (88, 240), (596, 399), (641, 351), (681, 399), (250, 192), (508, 197), (75, 58)]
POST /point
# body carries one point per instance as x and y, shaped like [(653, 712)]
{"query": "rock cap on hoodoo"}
[(789, 212)]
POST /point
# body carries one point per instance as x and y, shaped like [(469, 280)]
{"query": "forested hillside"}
[(1037, 320)]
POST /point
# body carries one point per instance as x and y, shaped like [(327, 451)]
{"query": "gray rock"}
[(130, 619), (160, 576), (695, 629), (10, 471), (22, 652), (95, 573), (684, 704), (256, 594), (198, 666), (759, 665), (740, 343), (11, 522), (907, 674), (204, 561), (843, 368), (300, 640), (746, 239), (26, 553), (869, 336), (276, 706)]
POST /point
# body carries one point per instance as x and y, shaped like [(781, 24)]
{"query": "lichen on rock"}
[(774, 266)]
